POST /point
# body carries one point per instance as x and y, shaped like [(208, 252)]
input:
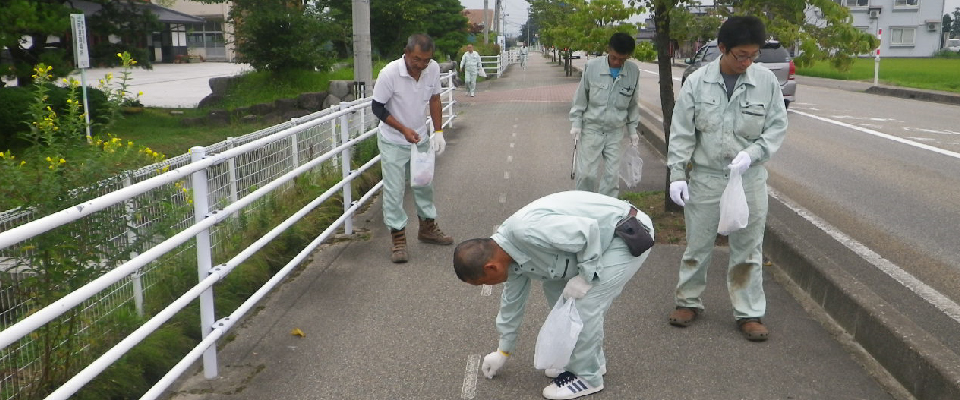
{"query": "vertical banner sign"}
[(81, 54), (81, 57)]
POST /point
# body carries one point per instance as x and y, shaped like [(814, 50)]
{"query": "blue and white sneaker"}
[(569, 386)]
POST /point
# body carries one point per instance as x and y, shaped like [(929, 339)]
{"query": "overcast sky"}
[(516, 11)]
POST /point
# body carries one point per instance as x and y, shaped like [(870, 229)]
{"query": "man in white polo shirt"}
[(403, 89)]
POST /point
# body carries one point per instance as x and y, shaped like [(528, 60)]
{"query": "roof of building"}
[(163, 14), (476, 16)]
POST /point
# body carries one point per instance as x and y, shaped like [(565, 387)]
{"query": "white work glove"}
[(576, 288), (575, 132), (679, 192), (741, 162), (635, 140), (439, 145), (492, 363)]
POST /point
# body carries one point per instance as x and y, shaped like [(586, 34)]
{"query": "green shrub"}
[(15, 120), (645, 52)]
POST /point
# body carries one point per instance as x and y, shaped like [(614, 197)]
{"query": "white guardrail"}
[(232, 177)]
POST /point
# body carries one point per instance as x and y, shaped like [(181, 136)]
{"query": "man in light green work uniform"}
[(567, 241), (605, 103), (470, 64), (729, 115)]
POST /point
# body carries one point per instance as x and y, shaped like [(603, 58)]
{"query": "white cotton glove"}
[(439, 145), (575, 132), (741, 162), (635, 139), (576, 288), (492, 363), (679, 192)]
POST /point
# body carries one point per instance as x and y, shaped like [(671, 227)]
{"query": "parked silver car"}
[(772, 55)]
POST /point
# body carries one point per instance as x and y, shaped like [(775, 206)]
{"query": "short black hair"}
[(741, 30), (421, 40), (470, 256), (622, 43)]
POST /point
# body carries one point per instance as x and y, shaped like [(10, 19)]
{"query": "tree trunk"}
[(661, 17)]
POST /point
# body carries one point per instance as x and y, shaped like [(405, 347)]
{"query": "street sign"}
[(81, 53)]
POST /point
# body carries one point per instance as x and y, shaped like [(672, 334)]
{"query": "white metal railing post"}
[(204, 259), (232, 172), (135, 278), (295, 152), (450, 98), (345, 163)]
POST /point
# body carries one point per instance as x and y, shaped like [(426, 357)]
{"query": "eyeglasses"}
[(743, 58)]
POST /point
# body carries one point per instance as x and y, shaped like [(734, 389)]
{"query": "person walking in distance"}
[(729, 117), (470, 64), (604, 105), (403, 89)]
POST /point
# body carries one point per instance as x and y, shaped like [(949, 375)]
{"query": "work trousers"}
[(395, 167), (702, 216), (470, 78), (592, 147), (618, 267)]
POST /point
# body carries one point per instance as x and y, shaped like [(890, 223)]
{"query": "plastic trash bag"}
[(557, 336), (631, 166), (421, 166), (734, 211), (481, 72)]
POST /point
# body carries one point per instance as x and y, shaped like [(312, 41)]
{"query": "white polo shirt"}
[(406, 98)]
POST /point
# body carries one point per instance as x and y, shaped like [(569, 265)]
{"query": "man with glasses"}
[(604, 104), (729, 116), (404, 88)]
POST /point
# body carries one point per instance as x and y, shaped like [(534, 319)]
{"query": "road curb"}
[(920, 363)]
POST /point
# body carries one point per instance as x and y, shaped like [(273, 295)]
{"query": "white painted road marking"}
[(938, 150), (486, 290), (925, 292), (469, 390)]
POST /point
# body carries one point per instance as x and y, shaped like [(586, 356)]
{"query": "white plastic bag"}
[(734, 211), (481, 72), (631, 166), (557, 336), (421, 166)]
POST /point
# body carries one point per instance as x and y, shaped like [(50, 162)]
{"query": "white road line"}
[(469, 390), (511, 145), (938, 150), (503, 199), (509, 158), (657, 73), (506, 174), (486, 290), (927, 293)]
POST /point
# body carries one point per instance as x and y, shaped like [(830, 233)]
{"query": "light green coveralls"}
[(708, 131), (552, 240), (470, 64), (602, 106)]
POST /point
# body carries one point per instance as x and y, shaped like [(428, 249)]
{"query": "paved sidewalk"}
[(377, 330)]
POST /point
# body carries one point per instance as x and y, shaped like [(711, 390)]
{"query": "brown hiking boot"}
[(399, 252), (683, 316), (753, 329), (431, 233)]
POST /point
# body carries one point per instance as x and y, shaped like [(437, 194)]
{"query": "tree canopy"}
[(36, 31)]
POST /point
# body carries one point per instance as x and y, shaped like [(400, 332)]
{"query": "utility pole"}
[(362, 63), (486, 24), (496, 18)]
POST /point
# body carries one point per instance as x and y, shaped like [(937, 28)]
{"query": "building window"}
[(857, 3), (906, 3), (207, 34), (903, 36)]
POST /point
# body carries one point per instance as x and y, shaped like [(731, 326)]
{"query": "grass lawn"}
[(920, 73)]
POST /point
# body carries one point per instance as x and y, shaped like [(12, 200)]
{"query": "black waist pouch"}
[(635, 235)]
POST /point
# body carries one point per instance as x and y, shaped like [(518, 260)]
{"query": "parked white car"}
[(952, 45)]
